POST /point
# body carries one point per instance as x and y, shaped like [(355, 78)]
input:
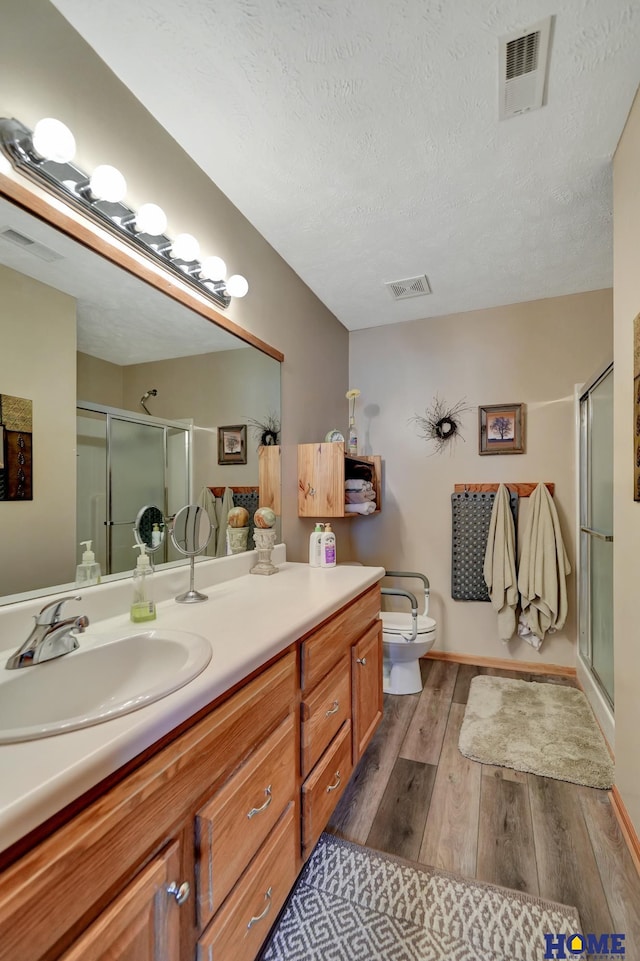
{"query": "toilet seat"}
[(396, 623)]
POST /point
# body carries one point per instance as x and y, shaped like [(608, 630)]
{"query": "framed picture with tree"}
[(501, 429)]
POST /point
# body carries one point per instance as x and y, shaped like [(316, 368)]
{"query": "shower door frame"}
[(598, 696), (145, 420)]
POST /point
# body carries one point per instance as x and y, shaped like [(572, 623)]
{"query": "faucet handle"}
[(50, 613)]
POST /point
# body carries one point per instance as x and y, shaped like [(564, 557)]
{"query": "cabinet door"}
[(366, 672), (142, 924), (321, 480)]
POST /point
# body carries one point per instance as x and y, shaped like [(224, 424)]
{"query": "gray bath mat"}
[(544, 729)]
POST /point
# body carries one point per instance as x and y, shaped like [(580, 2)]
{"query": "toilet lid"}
[(395, 622)]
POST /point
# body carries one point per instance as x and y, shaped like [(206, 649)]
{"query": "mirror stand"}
[(190, 534), (192, 596)]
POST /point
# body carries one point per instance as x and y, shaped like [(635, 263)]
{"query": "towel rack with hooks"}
[(522, 489)]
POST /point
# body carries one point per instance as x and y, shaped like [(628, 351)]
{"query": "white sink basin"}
[(104, 678)]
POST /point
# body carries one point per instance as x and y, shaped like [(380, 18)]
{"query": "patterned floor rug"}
[(545, 729), (355, 904)]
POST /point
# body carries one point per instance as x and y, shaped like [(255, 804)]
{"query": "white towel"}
[(500, 564), (367, 508), (544, 566), (355, 484), (222, 509), (208, 501)]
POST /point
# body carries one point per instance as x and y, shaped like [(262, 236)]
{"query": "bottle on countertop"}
[(156, 536), (88, 572), (314, 546), (328, 547), (143, 606)]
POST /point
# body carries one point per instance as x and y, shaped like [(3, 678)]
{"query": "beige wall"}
[(99, 382), (112, 127), (626, 285), (38, 542), (532, 353)]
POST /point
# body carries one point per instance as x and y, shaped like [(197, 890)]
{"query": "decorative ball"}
[(264, 517), (238, 517)]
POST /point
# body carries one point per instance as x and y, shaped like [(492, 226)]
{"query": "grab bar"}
[(397, 592), (421, 577)]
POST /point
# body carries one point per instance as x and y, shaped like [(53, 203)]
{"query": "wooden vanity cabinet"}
[(192, 855), (322, 470)]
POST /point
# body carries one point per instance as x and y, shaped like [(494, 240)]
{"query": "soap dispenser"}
[(143, 606), (328, 547), (88, 572), (314, 546)]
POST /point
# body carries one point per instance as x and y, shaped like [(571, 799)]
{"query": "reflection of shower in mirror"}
[(150, 393)]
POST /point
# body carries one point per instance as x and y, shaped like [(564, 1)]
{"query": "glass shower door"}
[(596, 531)]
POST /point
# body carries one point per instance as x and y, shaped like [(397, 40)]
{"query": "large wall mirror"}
[(128, 388)]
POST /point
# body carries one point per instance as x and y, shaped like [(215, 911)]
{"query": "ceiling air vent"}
[(412, 287), (26, 243), (523, 69)]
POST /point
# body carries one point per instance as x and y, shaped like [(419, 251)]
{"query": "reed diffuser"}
[(352, 442)]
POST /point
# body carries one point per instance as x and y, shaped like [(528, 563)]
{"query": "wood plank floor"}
[(414, 795)]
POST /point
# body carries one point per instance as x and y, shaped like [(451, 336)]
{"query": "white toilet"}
[(405, 639), (401, 667)]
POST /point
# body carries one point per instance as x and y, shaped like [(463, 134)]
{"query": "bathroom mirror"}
[(87, 341), (149, 528), (191, 532)]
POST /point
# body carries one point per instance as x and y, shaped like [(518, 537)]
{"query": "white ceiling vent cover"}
[(411, 287), (18, 239), (523, 69)]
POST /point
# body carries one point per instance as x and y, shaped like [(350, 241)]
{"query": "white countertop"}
[(247, 621)]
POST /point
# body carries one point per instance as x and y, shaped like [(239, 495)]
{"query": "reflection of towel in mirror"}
[(367, 508), (208, 501), (544, 567), (500, 564), (359, 497), (222, 510)]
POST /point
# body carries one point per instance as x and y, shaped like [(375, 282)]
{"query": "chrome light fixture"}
[(45, 156)]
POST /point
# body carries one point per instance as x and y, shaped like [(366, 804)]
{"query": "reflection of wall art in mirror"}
[(501, 428), (16, 454), (232, 444)]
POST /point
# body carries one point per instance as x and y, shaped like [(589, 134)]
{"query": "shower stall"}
[(127, 461)]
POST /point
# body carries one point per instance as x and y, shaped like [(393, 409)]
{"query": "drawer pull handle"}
[(362, 660), (332, 787), (259, 917), (333, 710), (264, 806), (180, 892)]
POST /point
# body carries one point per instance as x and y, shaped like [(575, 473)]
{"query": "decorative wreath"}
[(266, 431), (441, 424)]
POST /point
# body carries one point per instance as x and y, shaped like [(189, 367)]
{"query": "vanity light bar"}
[(62, 178)]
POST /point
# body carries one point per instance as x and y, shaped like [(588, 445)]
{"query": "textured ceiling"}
[(362, 140)]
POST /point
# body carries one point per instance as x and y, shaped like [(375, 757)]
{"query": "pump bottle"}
[(328, 547), (314, 546), (143, 606), (88, 572)]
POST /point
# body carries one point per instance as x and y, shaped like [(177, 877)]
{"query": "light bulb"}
[(237, 286), (108, 184), (185, 247), (151, 219), (54, 141), (213, 268)]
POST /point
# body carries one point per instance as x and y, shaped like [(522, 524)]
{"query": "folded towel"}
[(355, 484), (359, 497), (367, 508)]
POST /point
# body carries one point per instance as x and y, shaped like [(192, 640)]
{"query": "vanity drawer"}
[(231, 827), (243, 922), (323, 789), (325, 646), (324, 710)]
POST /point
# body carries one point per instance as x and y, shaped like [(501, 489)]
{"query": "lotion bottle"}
[(314, 546), (328, 547), (88, 572), (143, 606)]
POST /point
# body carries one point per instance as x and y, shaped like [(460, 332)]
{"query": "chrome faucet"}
[(51, 637)]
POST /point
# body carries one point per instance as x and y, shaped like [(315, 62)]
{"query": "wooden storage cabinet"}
[(322, 469), (366, 666)]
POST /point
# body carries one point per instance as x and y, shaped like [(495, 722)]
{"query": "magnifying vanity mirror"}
[(191, 532), (127, 386)]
